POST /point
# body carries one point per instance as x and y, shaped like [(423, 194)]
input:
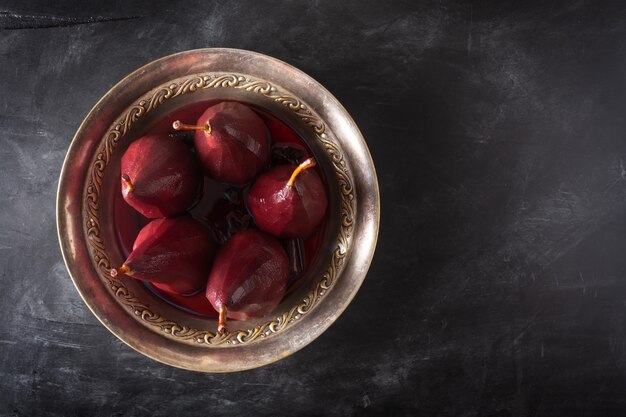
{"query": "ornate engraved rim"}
[(144, 106), (149, 340)]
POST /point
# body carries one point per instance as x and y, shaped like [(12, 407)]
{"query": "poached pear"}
[(160, 176), (232, 142), (288, 201), (248, 277), (174, 254)]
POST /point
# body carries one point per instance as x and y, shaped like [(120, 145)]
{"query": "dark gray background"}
[(499, 135)]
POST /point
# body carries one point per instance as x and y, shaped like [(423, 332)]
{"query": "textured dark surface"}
[(499, 135)]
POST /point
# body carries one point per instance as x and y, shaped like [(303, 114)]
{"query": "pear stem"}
[(178, 125), (124, 269), (308, 163), (221, 324), (129, 184)]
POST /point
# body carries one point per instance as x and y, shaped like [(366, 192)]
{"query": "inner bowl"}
[(89, 186)]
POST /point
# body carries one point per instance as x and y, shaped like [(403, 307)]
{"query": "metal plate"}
[(138, 317)]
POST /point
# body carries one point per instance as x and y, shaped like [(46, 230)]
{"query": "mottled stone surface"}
[(499, 135)]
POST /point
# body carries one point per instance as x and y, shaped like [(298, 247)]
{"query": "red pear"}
[(248, 278), (232, 142), (174, 254), (160, 176), (288, 201)]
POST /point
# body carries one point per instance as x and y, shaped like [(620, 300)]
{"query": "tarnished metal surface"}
[(84, 208)]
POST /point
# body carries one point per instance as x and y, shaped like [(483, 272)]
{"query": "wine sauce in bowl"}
[(221, 207)]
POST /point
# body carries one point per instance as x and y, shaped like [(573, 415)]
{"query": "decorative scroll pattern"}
[(123, 126)]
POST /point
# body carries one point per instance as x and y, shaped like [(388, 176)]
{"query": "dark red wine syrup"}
[(221, 207)]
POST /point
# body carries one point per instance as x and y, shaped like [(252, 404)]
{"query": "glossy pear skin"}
[(164, 173), (249, 275), (174, 253), (288, 211), (238, 145)]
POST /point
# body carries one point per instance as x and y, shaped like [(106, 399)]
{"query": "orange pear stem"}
[(308, 163), (221, 324), (177, 125), (124, 269), (129, 184)]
